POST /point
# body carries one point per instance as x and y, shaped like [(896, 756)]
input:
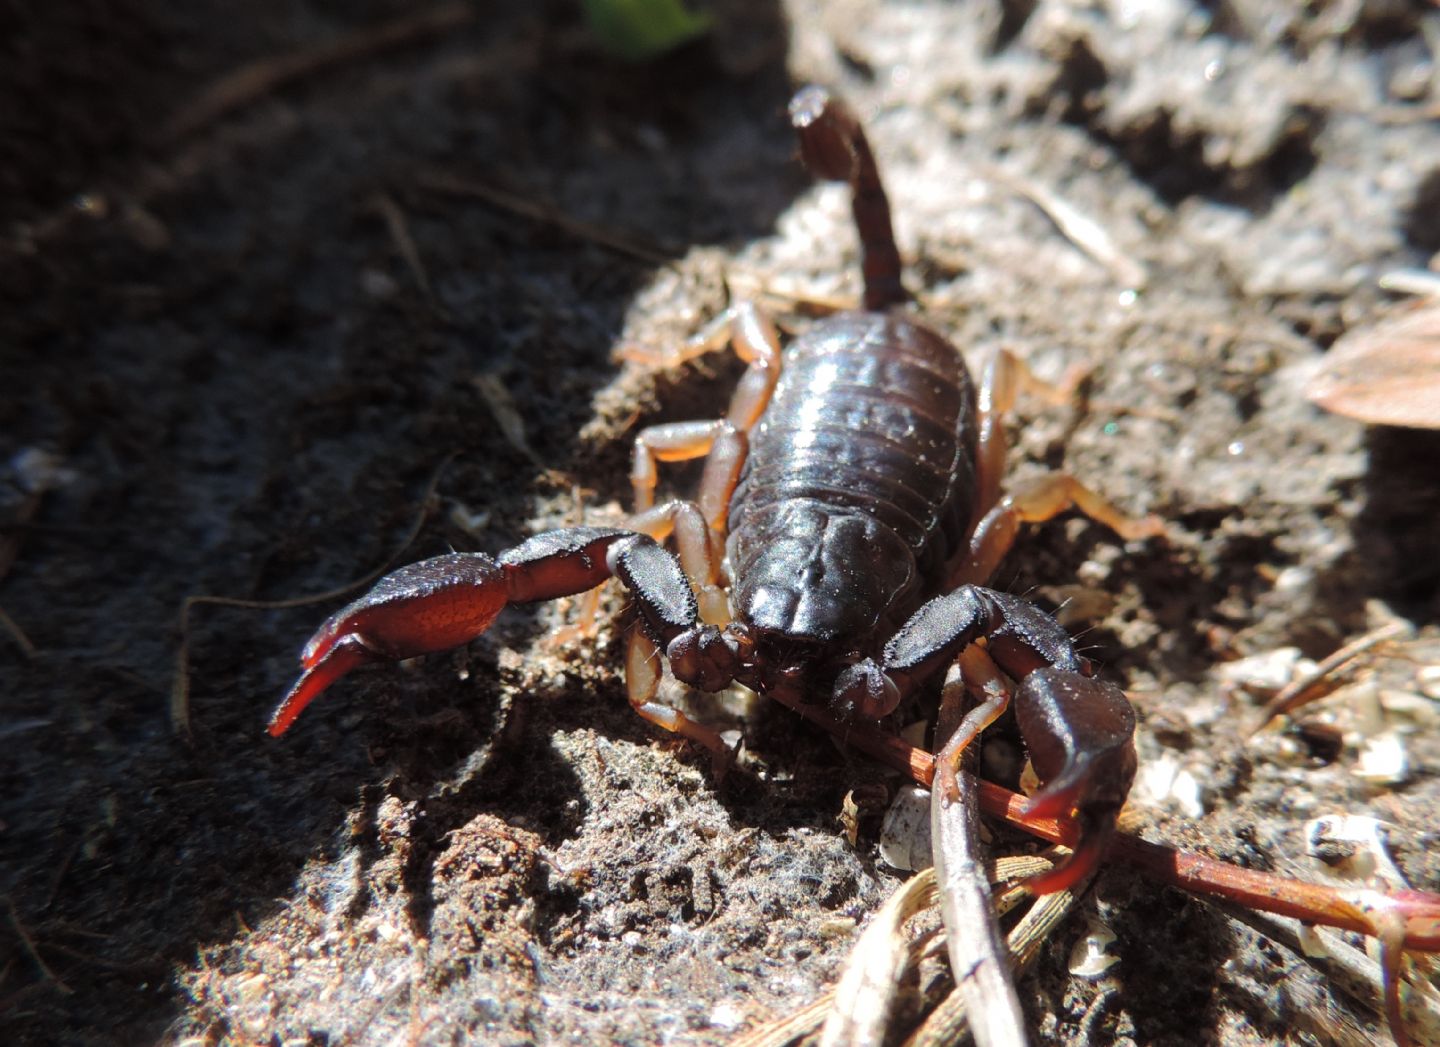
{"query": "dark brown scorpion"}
[(836, 500)]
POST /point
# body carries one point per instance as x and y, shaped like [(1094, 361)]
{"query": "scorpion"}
[(851, 502)]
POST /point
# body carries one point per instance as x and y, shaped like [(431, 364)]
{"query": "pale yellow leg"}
[(755, 340), (1046, 498), (999, 515), (642, 683)]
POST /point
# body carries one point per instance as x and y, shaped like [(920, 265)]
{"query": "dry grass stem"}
[(30, 948), (949, 1023), (866, 992), (1328, 673), (180, 682), (26, 645), (1080, 229), (399, 230), (507, 416), (546, 214), (250, 83)]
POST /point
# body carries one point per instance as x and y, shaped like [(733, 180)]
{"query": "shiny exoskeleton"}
[(837, 500), (859, 487)]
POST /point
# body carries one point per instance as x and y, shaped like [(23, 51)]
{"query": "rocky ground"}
[(248, 318)]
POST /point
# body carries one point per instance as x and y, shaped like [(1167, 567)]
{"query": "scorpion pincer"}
[(835, 502)]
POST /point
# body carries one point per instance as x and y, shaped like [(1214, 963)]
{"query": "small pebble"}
[(1090, 957), (905, 830), (1383, 759)]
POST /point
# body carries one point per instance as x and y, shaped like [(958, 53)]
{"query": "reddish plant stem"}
[(1348, 909)]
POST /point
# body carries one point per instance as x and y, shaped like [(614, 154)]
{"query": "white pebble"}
[(1090, 957), (1383, 759), (905, 830)]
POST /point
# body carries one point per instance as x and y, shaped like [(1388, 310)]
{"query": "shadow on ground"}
[(243, 350)]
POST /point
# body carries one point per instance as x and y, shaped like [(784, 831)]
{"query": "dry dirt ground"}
[(238, 339)]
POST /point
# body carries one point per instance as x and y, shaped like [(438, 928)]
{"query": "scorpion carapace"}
[(835, 503)]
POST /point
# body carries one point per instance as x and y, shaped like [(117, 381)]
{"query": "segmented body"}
[(859, 486), (846, 491)]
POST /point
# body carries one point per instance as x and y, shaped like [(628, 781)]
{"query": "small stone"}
[(1090, 958), (905, 830)]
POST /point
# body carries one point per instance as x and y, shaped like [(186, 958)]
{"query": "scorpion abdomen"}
[(860, 482)]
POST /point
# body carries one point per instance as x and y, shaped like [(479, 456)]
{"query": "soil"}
[(239, 339)]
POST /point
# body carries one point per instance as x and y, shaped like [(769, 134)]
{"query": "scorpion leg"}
[(984, 683), (1079, 730), (667, 442), (1000, 515), (755, 340), (723, 443), (699, 654), (449, 600), (700, 526), (1005, 377), (1046, 498), (700, 553)]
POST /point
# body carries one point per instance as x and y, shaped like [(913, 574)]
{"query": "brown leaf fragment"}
[(1388, 374)]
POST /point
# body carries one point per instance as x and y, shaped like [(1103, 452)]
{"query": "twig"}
[(979, 959), (96, 961), (252, 82), (1326, 675), (1421, 282), (58, 874), (9, 550), (180, 684), (29, 944), (14, 727), (546, 214), (399, 230), (10, 546), (27, 648)]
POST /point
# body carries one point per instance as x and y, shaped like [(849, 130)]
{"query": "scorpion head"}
[(810, 601), (773, 661), (766, 660)]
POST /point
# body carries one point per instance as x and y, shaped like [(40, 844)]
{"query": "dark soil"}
[(235, 347)]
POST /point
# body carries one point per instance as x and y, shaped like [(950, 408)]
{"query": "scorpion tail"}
[(834, 147)]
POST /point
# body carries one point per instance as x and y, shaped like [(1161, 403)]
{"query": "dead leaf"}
[(1388, 374)]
